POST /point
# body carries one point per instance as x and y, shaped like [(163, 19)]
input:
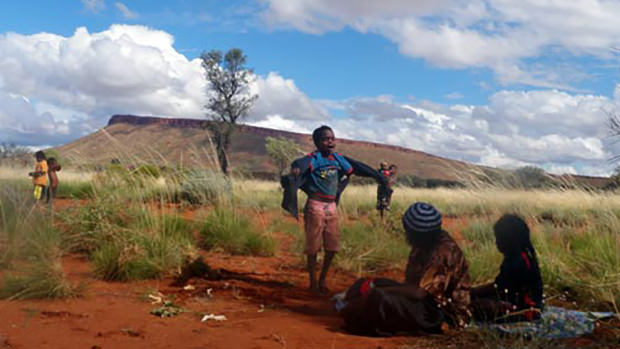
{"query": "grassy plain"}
[(131, 224)]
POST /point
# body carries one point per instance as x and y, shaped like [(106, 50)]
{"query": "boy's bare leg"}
[(312, 272), (329, 255)]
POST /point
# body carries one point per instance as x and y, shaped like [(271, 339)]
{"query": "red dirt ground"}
[(259, 315)]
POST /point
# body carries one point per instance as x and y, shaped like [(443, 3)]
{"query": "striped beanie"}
[(422, 217)]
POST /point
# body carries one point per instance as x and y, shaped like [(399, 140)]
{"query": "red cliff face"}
[(151, 120)]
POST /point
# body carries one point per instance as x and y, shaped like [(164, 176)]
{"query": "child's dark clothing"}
[(519, 281), (384, 192), (373, 310), (291, 184)]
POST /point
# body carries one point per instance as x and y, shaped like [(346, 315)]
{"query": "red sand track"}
[(259, 314)]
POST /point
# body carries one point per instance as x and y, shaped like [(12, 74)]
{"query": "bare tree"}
[(229, 97)]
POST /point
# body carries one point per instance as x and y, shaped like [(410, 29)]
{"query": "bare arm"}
[(483, 290)]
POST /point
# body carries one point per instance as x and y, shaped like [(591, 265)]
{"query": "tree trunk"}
[(222, 133), (223, 160)]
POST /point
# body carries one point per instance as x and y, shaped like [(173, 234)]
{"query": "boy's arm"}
[(38, 171), (300, 166), (363, 170)]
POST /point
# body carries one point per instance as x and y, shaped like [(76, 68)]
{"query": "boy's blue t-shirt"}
[(325, 173)]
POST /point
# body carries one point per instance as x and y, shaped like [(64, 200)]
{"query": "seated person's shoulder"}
[(514, 264), (450, 249)]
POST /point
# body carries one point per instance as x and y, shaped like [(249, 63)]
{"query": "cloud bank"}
[(54, 89), (495, 34)]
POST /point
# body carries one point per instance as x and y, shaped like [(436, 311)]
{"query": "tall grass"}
[(130, 229), (371, 247), (128, 235), (30, 249), (229, 230)]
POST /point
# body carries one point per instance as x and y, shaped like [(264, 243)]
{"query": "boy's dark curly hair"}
[(316, 134)]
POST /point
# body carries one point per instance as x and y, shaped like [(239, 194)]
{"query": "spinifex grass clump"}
[(257, 195), (199, 187), (128, 241), (227, 229), (38, 279), (370, 247), (30, 250), (75, 190), (127, 228), (480, 250), (146, 250)]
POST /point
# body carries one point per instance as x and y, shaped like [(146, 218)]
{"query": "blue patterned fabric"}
[(555, 323), (325, 173)]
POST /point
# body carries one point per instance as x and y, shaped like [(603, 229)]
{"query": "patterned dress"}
[(443, 273)]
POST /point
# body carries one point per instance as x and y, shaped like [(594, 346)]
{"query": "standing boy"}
[(323, 175), (39, 176)]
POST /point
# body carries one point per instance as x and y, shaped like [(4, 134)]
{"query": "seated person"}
[(516, 293), (435, 294)]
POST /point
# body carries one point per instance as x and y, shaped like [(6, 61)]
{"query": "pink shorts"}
[(321, 221)]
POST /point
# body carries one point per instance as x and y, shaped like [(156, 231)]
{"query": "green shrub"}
[(30, 248), (147, 170), (372, 247), (152, 246), (205, 187), (227, 229), (75, 190), (40, 279)]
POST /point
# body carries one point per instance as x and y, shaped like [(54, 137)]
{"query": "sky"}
[(504, 83)]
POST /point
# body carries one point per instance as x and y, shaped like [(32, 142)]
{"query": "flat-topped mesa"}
[(197, 123), (152, 120)]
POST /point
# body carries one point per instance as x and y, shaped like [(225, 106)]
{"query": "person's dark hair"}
[(393, 166), (53, 164), (513, 234), (39, 155), (316, 134)]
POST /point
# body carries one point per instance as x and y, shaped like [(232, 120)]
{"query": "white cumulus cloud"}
[(494, 34), (54, 89), (70, 85)]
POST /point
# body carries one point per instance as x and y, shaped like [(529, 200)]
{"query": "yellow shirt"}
[(42, 179)]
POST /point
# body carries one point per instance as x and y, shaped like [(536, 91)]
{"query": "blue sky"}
[(500, 83)]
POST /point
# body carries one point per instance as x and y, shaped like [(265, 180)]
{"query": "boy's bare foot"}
[(323, 289), (314, 288)]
